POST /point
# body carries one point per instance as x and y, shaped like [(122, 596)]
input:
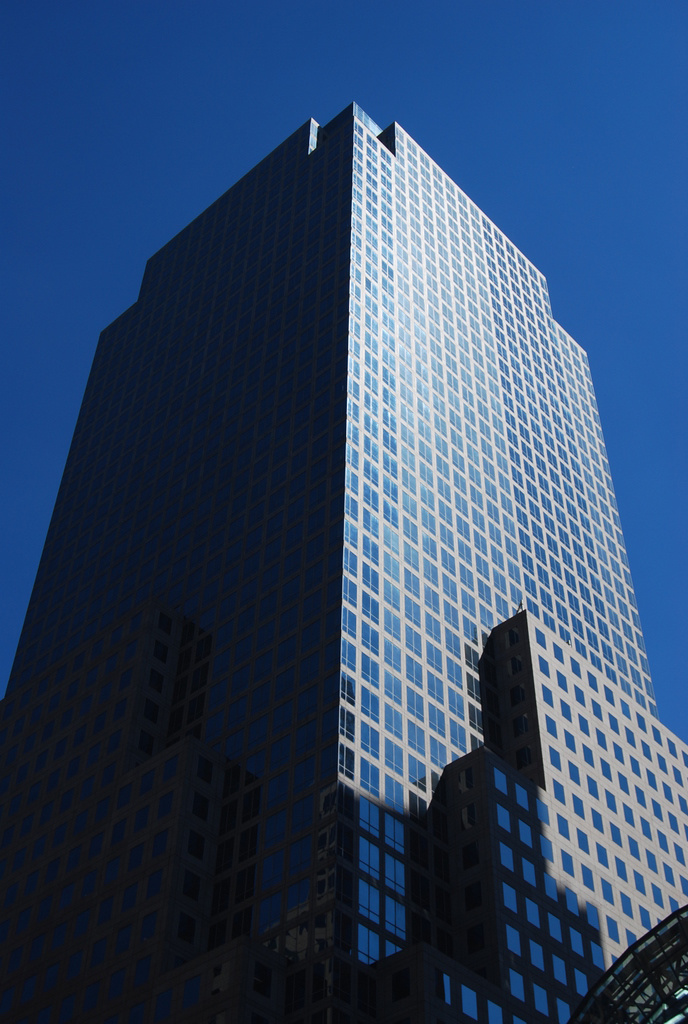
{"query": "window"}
[(262, 979), (368, 945), (186, 929), (442, 986), (196, 844), (401, 984), (192, 991), (369, 901), (163, 1005)]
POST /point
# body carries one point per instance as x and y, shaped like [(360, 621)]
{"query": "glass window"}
[(500, 781), (513, 940), (192, 991), (163, 1005), (509, 896), (532, 913), (469, 1002)]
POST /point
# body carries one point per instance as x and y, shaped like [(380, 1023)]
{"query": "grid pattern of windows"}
[(477, 479), (206, 473)]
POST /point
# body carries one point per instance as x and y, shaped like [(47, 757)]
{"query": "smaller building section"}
[(611, 783), (422, 986), (540, 856), (509, 699), (564, 837)]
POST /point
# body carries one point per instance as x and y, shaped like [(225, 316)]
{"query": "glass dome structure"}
[(648, 984)]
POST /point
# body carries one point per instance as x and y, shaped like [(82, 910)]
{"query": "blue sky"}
[(565, 121)]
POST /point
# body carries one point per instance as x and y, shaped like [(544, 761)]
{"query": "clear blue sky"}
[(565, 120)]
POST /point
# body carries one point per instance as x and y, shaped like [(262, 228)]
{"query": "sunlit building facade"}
[(332, 700)]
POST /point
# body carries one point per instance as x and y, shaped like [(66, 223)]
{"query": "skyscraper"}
[(331, 699)]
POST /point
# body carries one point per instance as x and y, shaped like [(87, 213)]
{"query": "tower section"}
[(335, 443)]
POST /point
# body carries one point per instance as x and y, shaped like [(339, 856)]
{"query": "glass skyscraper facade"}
[(332, 700)]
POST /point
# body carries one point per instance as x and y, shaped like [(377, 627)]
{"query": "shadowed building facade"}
[(275, 745)]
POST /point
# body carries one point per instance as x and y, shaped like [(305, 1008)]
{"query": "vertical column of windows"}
[(482, 483)]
